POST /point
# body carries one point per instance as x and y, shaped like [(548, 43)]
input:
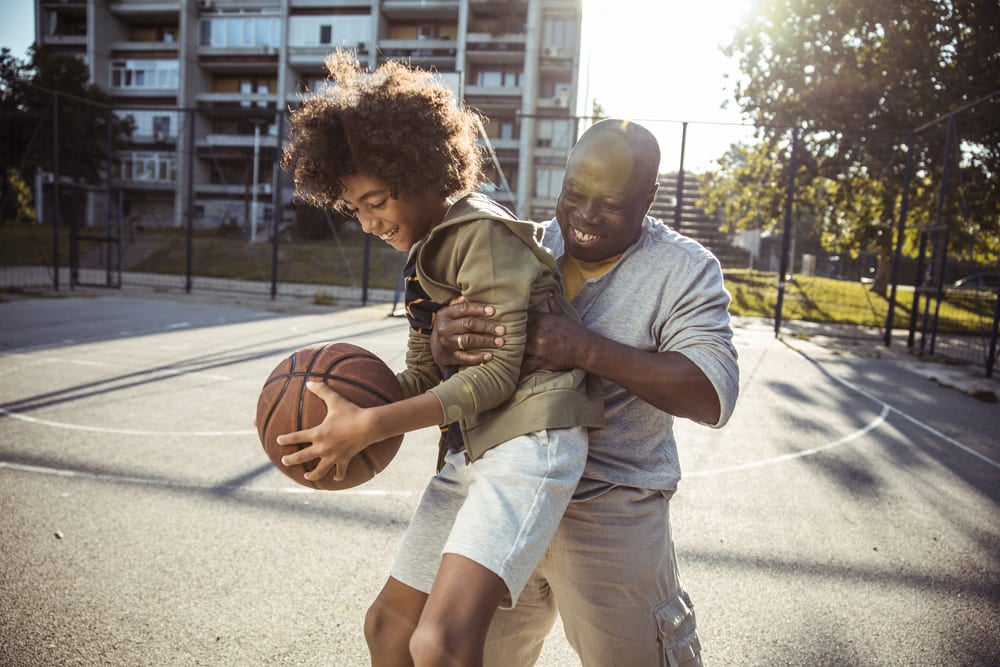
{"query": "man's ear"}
[(652, 194)]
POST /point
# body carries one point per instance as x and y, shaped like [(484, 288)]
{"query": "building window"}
[(149, 124), (163, 74), (559, 35), (553, 133), (138, 166), (337, 30), (548, 181), (499, 78), (241, 31)]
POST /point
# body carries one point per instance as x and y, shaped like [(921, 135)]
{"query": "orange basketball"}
[(286, 406)]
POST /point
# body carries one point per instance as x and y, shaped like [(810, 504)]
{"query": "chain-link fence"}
[(192, 199)]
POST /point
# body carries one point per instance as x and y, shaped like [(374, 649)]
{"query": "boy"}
[(393, 150)]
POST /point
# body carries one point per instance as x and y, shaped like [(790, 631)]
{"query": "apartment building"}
[(206, 82)]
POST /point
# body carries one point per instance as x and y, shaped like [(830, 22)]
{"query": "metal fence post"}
[(786, 235), (900, 230)]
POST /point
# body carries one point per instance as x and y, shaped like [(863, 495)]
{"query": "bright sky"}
[(654, 61)]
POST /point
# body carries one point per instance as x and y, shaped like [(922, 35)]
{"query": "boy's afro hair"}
[(398, 124)]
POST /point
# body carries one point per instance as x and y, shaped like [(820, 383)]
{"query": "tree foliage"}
[(53, 119), (856, 79)]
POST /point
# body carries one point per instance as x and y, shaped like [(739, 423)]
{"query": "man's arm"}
[(668, 381)]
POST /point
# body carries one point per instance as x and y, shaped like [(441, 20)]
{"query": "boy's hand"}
[(343, 433), (461, 330)]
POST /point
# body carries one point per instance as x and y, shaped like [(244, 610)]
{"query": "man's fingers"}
[(474, 341), (459, 308)]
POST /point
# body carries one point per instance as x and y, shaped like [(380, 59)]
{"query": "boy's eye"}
[(379, 204)]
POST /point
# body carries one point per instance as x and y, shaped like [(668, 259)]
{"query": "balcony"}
[(212, 141), (127, 49), (425, 52), (404, 10), (506, 94), (263, 102), (238, 58), (482, 47)]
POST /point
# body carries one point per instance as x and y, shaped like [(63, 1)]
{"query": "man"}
[(656, 330)]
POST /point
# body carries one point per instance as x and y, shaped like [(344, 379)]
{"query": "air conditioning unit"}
[(206, 5), (552, 52), (264, 188), (560, 101)]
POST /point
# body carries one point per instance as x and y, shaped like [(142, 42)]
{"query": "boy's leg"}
[(390, 622), (454, 622), (517, 493), (614, 575)]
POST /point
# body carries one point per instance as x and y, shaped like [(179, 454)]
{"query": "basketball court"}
[(848, 514)]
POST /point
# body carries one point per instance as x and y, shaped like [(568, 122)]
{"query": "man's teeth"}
[(583, 237)]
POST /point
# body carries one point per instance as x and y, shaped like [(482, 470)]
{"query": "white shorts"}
[(500, 511)]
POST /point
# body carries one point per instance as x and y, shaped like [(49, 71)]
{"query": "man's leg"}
[(614, 575), (516, 635)]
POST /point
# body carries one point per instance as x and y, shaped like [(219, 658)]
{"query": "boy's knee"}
[(432, 645), (382, 627)]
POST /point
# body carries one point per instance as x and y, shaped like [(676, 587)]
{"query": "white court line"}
[(188, 486), (886, 409), (875, 423), (121, 431), (108, 364), (913, 420)]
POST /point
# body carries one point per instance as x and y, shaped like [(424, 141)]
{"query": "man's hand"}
[(462, 330), (553, 340)]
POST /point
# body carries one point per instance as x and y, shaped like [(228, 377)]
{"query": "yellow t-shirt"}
[(575, 272)]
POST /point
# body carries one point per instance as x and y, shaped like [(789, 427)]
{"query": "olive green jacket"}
[(481, 252)]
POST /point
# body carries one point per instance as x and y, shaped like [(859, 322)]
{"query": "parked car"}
[(979, 281)]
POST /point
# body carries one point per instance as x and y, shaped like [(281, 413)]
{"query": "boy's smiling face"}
[(400, 221)]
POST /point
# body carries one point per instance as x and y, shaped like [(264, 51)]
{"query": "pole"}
[(897, 256), (277, 208), (189, 203), (786, 235), (55, 191), (680, 180), (256, 176)]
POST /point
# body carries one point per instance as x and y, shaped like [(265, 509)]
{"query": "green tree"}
[(855, 78), (49, 98)]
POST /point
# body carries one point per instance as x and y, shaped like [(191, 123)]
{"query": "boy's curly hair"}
[(398, 124)]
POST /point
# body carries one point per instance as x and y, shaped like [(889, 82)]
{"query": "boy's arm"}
[(492, 266), (347, 429)]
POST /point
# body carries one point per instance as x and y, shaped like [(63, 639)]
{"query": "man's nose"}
[(585, 210)]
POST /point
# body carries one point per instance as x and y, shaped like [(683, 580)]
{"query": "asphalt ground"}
[(847, 514)]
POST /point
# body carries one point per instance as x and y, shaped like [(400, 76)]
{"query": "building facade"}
[(206, 84)]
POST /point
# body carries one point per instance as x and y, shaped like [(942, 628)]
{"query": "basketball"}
[(286, 406)]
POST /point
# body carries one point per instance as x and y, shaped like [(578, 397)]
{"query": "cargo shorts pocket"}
[(678, 635)]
